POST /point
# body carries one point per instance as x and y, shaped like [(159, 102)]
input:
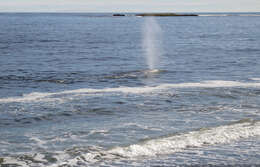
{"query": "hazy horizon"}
[(86, 12), (105, 6)]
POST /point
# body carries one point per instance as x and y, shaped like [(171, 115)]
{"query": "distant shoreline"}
[(157, 14), (165, 14), (144, 14), (126, 13)]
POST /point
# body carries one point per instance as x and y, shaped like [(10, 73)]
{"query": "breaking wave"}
[(202, 137), (163, 145), (173, 143)]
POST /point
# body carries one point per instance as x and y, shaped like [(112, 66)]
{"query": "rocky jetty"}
[(118, 14)]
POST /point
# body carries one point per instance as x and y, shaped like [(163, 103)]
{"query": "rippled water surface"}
[(75, 90)]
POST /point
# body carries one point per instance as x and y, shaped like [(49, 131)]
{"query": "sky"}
[(129, 5)]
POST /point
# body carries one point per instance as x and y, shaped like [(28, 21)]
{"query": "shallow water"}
[(75, 90)]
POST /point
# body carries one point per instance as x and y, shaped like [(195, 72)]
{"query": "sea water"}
[(76, 90)]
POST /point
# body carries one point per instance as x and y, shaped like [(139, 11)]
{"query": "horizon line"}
[(114, 12)]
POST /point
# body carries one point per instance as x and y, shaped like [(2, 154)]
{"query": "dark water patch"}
[(30, 117), (247, 92), (66, 114), (119, 102), (210, 109), (56, 78), (98, 111), (17, 114), (107, 58), (68, 78), (248, 50), (224, 95), (53, 117), (100, 42), (5, 122), (211, 36), (201, 108), (3, 48), (16, 78), (250, 106), (59, 81), (48, 40), (71, 78), (23, 121), (135, 74), (230, 93)]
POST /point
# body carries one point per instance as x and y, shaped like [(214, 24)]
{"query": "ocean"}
[(79, 89)]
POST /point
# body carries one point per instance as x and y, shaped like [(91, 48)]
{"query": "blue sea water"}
[(75, 90)]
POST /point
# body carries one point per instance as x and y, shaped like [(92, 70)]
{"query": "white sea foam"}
[(163, 145), (174, 143), (255, 79), (40, 143), (36, 96), (27, 97), (102, 132), (11, 160)]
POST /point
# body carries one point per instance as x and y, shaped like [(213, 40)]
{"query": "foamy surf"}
[(255, 79), (164, 145), (37, 96), (174, 143)]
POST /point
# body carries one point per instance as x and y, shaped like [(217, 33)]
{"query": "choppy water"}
[(75, 91)]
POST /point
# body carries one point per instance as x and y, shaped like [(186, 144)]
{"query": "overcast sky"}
[(129, 5)]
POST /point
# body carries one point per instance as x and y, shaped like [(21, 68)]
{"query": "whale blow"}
[(152, 35)]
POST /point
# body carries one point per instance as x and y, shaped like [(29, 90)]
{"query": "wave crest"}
[(37, 96), (174, 143)]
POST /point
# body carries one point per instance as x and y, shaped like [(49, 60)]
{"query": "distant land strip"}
[(157, 14)]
